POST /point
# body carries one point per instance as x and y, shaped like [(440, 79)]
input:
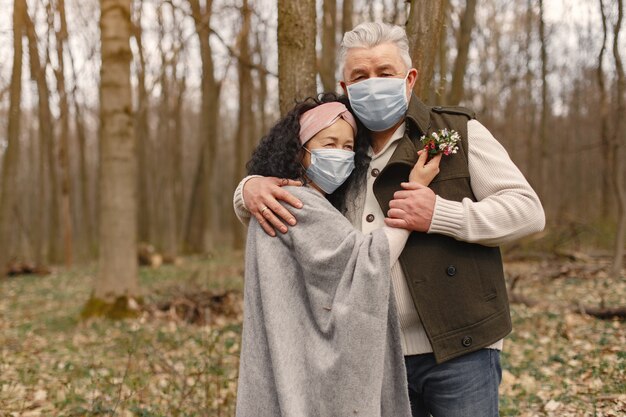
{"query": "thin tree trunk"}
[(262, 94), (329, 46), (542, 179), (617, 150), (604, 126), (46, 136), (531, 156), (423, 31), (462, 46), (245, 121), (117, 273), (296, 51), (142, 131), (66, 192), (8, 192), (442, 61), (200, 218), (346, 16)]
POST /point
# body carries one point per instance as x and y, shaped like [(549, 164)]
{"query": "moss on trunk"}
[(121, 308)]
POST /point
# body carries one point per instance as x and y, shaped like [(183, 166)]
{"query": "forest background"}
[(125, 127)]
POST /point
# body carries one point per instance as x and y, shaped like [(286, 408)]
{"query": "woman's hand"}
[(423, 172)]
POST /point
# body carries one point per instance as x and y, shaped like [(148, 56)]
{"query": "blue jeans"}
[(466, 386)]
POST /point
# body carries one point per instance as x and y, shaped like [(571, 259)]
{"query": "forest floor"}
[(179, 360)]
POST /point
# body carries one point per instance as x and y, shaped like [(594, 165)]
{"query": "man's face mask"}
[(379, 102)]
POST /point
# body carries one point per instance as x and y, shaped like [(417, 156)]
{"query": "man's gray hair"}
[(371, 34)]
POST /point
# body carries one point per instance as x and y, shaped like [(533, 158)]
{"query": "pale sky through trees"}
[(564, 18)]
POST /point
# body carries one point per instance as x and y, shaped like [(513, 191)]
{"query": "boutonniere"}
[(444, 141)]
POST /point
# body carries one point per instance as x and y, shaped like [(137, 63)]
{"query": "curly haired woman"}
[(321, 333)]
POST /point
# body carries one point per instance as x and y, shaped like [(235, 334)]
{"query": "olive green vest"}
[(458, 288)]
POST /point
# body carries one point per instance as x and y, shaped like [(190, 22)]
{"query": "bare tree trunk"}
[(423, 31), (328, 59), (117, 276), (462, 47), (262, 93), (296, 51), (442, 62), (66, 192), (346, 16), (531, 157), (142, 131), (201, 217), (618, 149), (604, 125), (46, 136), (8, 192), (543, 122)]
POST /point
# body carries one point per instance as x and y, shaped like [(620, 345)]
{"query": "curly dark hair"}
[(279, 153)]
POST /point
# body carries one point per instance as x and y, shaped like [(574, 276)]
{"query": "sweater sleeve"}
[(241, 211), (397, 239), (507, 207)]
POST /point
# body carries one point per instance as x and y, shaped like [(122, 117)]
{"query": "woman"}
[(321, 334)]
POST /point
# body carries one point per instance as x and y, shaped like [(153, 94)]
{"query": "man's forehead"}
[(382, 56)]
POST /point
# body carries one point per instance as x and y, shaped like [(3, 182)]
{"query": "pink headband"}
[(322, 116)]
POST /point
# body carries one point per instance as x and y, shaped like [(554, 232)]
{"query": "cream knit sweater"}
[(506, 209)]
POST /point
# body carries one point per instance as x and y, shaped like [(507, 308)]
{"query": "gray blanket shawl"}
[(321, 334)]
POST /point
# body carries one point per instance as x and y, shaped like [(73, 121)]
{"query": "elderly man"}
[(448, 283)]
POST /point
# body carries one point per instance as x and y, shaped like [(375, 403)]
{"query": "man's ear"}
[(344, 87), (412, 78)]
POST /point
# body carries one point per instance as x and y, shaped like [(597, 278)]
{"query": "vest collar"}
[(418, 114)]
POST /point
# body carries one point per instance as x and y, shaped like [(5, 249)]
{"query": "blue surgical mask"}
[(330, 168), (379, 103)]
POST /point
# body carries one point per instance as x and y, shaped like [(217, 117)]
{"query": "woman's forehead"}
[(340, 130)]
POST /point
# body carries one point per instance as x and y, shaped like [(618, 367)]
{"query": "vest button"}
[(467, 341), (375, 172), (451, 270), (370, 218)]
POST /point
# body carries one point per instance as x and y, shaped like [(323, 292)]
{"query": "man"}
[(448, 283)]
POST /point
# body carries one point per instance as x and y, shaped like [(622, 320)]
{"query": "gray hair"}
[(371, 34)]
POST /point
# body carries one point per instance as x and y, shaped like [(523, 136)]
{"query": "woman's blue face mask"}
[(379, 102), (330, 168)]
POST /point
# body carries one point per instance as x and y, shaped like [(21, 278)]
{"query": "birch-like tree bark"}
[(423, 32), (117, 269), (296, 52)]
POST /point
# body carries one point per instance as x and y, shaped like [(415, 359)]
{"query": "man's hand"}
[(411, 208), (261, 195)]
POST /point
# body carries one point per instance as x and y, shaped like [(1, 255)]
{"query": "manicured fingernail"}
[(299, 205), (283, 229), (292, 222)]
